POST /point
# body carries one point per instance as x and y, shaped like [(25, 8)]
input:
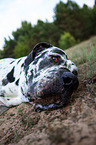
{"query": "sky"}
[(13, 12)]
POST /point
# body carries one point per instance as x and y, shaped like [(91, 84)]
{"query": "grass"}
[(84, 56)]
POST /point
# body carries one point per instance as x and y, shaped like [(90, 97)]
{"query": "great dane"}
[(46, 78)]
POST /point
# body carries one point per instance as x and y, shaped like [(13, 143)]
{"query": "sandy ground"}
[(74, 124)]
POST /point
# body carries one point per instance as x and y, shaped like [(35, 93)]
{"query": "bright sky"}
[(13, 12)]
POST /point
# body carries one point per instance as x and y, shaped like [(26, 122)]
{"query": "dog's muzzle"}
[(56, 94)]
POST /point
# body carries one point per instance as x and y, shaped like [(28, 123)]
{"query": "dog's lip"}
[(47, 99), (50, 99), (61, 102), (45, 103)]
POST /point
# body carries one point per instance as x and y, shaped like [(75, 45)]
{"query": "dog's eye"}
[(55, 59)]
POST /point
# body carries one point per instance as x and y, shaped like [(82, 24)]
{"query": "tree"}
[(66, 41), (93, 20), (9, 46), (71, 18), (25, 37), (21, 49), (20, 44), (45, 31), (26, 29), (1, 53)]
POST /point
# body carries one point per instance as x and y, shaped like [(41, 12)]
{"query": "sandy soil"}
[(71, 125)]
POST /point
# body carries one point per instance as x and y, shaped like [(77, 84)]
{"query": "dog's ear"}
[(36, 50), (40, 47)]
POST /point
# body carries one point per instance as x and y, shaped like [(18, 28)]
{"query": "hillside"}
[(74, 124)]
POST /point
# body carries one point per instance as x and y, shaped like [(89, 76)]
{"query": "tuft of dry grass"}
[(84, 56)]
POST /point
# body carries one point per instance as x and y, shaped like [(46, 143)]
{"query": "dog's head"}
[(51, 76)]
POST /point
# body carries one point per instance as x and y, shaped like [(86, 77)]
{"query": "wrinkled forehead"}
[(58, 50), (55, 51)]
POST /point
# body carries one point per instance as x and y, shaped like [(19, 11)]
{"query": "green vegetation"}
[(84, 56), (1, 53), (66, 41), (68, 17)]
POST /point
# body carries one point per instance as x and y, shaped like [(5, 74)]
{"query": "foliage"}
[(93, 19), (68, 17), (9, 48), (21, 49), (1, 53), (46, 32), (20, 37), (66, 40)]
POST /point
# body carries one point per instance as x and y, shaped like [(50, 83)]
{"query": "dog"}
[(46, 78)]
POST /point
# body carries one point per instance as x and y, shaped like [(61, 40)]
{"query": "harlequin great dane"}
[(45, 77)]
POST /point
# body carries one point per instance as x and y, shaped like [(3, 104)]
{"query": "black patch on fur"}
[(8, 99), (28, 60), (26, 70), (35, 61), (22, 91), (22, 65), (75, 72), (10, 76), (11, 62), (4, 82), (30, 78), (45, 63), (17, 82), (19, 61), (38, 74), (2, 95)]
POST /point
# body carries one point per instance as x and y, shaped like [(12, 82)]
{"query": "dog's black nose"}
[(69, 79)]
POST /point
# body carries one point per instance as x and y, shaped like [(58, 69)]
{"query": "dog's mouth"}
[(51, 101)]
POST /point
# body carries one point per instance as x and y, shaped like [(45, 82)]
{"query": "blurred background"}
[(63, 23)]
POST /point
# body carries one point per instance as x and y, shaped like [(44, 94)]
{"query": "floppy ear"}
[(40, 47), (36, 49)]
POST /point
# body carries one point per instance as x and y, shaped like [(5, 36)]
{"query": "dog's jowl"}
[(46, 78)]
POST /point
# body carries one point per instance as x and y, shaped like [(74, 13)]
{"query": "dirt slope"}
[(73, 124)]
